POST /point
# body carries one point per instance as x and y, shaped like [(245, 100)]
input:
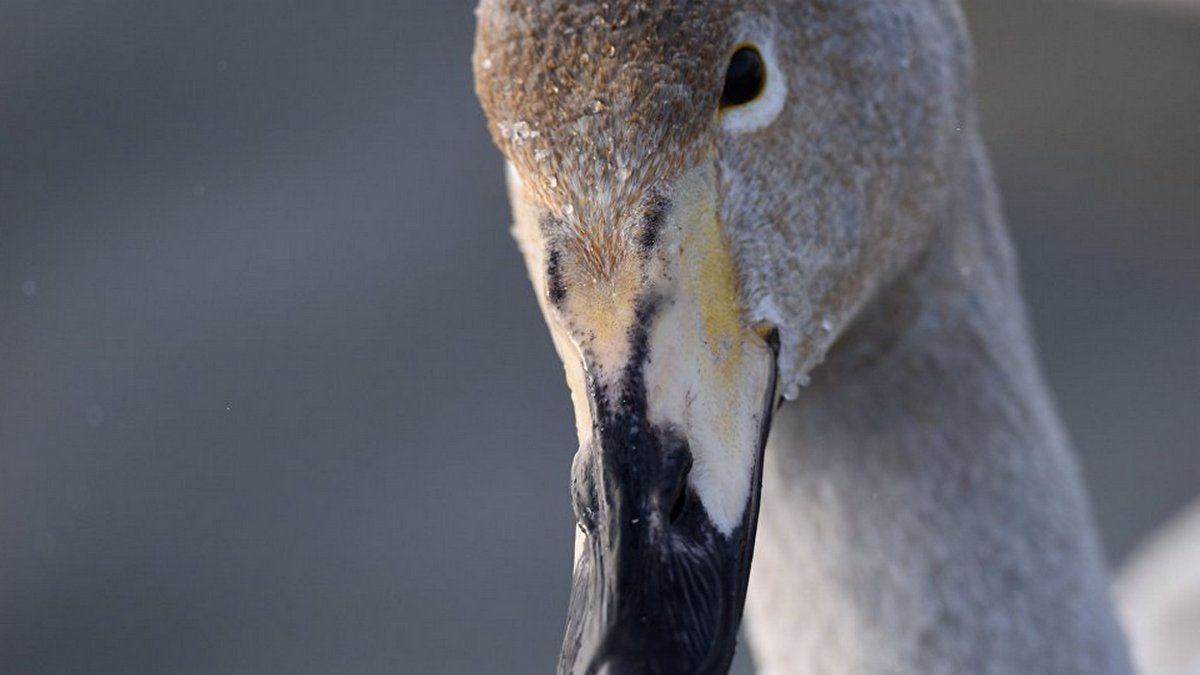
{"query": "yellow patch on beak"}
[(710, 374), (707, 271), (601, 312)]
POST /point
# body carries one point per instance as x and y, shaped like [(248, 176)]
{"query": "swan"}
[(767, 244)]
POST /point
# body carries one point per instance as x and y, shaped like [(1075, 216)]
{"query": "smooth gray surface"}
[(275, 396)]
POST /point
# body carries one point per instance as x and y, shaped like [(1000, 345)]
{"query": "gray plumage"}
[(922, 511)]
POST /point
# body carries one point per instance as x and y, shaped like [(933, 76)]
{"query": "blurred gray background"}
[(275, 396)]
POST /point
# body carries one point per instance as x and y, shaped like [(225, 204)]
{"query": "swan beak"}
[(662, 563), (674, 393)]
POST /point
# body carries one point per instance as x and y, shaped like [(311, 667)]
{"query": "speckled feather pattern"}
[(601, 101)]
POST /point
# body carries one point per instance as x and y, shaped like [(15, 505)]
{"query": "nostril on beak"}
[(678, 503), (678, 465)]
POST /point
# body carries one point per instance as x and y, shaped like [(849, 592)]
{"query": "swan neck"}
[(922, 510)]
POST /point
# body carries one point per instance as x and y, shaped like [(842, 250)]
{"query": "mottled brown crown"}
[(595, 102)]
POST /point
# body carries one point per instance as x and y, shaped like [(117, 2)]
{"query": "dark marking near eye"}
[(654, 216), (555, 290)]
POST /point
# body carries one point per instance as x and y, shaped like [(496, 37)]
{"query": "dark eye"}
[(745, 77)]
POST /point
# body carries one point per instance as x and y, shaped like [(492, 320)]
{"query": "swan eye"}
[(745, 78)]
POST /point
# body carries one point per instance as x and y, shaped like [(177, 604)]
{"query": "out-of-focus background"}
[(275, 396)]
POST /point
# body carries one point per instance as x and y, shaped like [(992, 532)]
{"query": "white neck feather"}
[(922, 511)]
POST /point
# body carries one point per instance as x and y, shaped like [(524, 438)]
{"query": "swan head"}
[(704, 194)]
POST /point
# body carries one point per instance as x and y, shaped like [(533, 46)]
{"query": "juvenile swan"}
[(723, 204)]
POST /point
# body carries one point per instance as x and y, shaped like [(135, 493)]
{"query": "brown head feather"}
[(596, 102)]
